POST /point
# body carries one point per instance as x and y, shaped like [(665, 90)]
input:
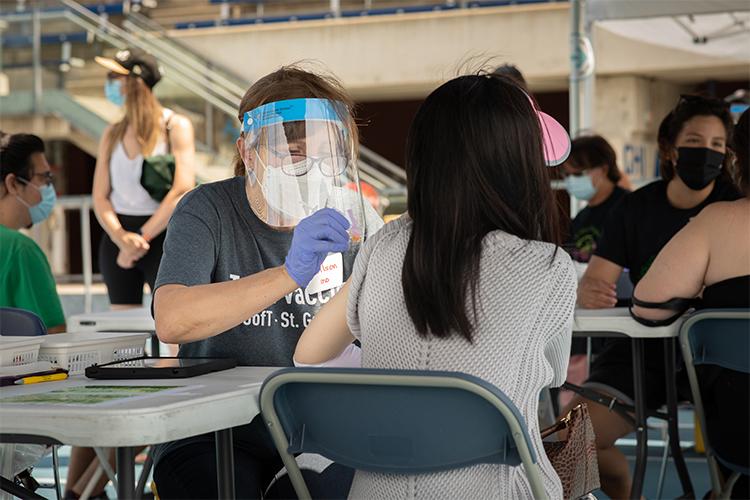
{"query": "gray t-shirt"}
[(214, 236)]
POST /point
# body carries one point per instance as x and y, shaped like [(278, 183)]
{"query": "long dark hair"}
[(474, 164), (687, 108)]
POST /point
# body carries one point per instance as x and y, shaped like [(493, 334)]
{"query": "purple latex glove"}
[(314, 238)]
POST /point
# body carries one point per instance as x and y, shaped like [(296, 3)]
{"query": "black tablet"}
[(154, 368)]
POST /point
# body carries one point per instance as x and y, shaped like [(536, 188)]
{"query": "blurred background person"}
[(511, 71), (591, 175), (27, 197), (710, 258), (134, 221), (696, 172)]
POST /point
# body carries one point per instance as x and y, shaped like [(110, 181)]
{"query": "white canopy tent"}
[(718, 28), (598, 10)]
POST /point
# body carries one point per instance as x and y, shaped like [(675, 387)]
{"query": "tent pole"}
[(577, 8), (581, 89)]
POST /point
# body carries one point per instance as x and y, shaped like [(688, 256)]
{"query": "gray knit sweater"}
[(521, 345)]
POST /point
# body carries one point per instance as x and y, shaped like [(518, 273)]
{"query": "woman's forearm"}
[(105, 214), (187, 314), (328, 334)]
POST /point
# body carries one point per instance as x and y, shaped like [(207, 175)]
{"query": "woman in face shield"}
[(248, 261)]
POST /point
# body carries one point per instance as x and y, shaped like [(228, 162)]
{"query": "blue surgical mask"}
[(113, 91), (580, 186), (41, 210)]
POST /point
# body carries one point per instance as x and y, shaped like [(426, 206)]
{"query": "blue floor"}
[(671, 488)]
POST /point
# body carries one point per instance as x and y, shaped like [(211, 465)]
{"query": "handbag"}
[(574, 459), (157, 173)]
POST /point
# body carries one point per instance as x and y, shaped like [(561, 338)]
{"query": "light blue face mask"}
[(113, 92), (580, 186), (41, 210)]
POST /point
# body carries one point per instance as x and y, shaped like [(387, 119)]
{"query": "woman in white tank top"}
[(134, 222), (130, 251)]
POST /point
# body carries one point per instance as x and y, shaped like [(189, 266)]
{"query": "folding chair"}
[(20, 322), (394, 421), (719, 337)]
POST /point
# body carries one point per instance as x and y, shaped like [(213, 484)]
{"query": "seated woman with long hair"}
[(471, 280)]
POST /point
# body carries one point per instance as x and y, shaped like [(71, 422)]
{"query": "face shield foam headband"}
[(299, 156)]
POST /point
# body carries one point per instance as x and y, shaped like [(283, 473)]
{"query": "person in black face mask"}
[(712, 254), (694, 165)]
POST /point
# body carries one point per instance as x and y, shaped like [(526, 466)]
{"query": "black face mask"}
[(697, 167)]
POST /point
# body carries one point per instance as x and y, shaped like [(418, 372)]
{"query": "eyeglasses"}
[(330, 166), (48, 177)]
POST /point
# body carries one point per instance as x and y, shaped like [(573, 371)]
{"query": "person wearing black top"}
[(695, 175), (591, 174), (711, 257)]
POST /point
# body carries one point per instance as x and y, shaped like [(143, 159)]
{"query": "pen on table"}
[(41, 378)]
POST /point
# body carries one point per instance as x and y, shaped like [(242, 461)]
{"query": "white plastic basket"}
[(15, 351), (77, 351)]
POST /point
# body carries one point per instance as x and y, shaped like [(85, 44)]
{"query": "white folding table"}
[(617, 322), (127, 320), (215, 402)]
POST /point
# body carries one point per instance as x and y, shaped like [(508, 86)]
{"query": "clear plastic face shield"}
[(300, 157)]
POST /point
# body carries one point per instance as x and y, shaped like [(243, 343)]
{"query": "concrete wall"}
[(627, 112), (405, 56), (400, 56)]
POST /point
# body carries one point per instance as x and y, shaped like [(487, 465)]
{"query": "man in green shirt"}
[(26, 198)]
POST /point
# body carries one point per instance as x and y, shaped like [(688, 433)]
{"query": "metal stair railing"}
[(377, 170), (188, 70), (387, 165), (178, 72), (155, 33)]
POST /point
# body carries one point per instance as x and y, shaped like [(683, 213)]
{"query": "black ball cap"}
[(133, 61)]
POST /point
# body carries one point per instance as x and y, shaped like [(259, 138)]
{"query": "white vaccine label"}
[(331, 275)]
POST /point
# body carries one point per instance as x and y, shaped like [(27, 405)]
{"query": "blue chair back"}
[(719, 337), (20, 322), (395, 421)]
